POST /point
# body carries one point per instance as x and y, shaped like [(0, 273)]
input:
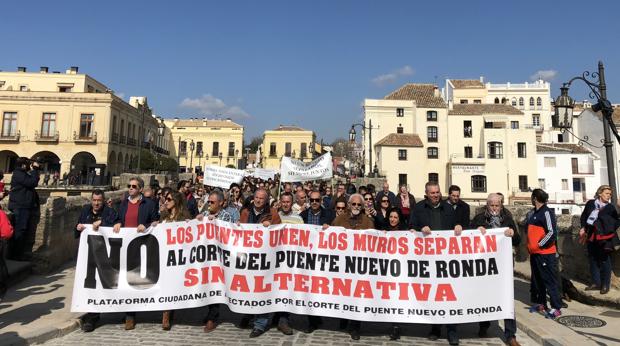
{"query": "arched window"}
[(478, 183), (495, 150), (504, 100), (514, 101), (432, 153), (531, 102), (497, 100), (539, 102), (431, 133), (521, 101)]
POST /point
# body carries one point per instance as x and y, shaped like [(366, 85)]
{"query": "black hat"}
[(22, 161)]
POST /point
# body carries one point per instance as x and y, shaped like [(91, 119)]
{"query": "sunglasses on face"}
[(168, 199), (368, 199), (315, 199), (384, 201), (356, 204), (132, 186), (340, 208), (211, 202)]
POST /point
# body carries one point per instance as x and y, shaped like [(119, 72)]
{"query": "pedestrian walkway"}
[(37, 310)]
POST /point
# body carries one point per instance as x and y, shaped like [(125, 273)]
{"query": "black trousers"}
[(4, 273)]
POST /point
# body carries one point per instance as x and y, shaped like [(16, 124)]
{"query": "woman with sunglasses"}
[(175, 209), (395, 221), (382, 214)]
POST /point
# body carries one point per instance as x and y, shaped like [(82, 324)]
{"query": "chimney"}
[(450, 105), (74, 69), (21, 69), (435, 91), (44, 69)]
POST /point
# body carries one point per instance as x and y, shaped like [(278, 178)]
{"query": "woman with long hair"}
[(394, 222), (381, 215), (405, 201), (599, 222), (175, 209)]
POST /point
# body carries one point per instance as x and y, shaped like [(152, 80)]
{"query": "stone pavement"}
[(37, 310)]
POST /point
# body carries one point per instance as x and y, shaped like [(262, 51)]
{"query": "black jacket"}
[(606, 223), (381, 222), (391, 196), (421, 216), (147, 211), (326, 217), (507, 221), (109, 217), (461, 214), (192, 206), (23, 194)]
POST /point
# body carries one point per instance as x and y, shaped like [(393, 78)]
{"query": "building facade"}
[(73, 124), (199, 142), (569, 173), (291, 141)]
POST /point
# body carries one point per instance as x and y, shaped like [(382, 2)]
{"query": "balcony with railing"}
[(88, 138), (537, 127), (461, 158), (123, 139), (10, 136), (587, 168), (115, 137), (46, 137), (131, 141)]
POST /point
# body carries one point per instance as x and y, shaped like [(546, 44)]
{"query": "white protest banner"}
[(368, 275), (263, 173), (222, 177), (294, 170)]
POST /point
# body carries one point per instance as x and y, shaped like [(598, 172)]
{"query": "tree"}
[(341, 147), (254, 143)]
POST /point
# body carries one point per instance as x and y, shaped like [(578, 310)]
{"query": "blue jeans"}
[(600, 265), (261, 322)]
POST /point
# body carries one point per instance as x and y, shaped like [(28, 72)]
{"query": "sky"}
[(307, 63)]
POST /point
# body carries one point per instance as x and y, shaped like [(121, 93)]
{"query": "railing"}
[(525, 85), (538, 127), (11, 137), (92, 138), (568, 197), (131, 141), (115, 137), (587, 168), (39, 137), (123, 139)]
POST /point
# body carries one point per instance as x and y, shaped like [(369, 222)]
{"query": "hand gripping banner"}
[(364, 275)]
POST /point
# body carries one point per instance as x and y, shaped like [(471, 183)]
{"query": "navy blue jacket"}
[(109, 217), (23, 194), (147, 212), (192, 206), (326, 217), (420, 216)]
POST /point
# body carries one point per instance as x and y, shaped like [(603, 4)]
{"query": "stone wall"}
[(573, 256)]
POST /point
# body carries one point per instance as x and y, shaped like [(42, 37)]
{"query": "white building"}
[(569, 173)]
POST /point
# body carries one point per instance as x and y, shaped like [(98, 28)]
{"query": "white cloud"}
[(546, 75), (391, 77), (208, 105)]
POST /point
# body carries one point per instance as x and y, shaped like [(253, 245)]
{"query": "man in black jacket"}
[(433, 214), (461, 209), (185, 188), (97, 213), (23, 199)]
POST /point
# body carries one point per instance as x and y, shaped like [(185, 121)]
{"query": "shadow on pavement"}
[(12, 338), (28, 313)]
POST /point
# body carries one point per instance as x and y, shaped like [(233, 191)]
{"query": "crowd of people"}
[(352, 207)]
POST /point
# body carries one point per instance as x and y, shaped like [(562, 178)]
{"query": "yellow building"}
[(292, 141), (214, 141), (73, 123)]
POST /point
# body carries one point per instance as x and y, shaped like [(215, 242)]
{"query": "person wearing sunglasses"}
[(341, 206), (215, 211), (175, 210), (137, 212), (369, 205), (395, 221), (355, 219), (382, 213), (316, 215), (185, 187), (97, 214)]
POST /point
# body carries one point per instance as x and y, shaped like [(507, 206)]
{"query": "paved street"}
[(188, 331)]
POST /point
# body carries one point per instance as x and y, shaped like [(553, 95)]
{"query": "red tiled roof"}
[(401, 140), (568, 148), (423, 94), (467, 84), (483, 108)]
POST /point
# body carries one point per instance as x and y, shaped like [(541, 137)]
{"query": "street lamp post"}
[(140, 140), (564, 106), (179, 152), (247, 156), (236, 156), (191, 158), (161, 127), (352, 135), (220, 157)]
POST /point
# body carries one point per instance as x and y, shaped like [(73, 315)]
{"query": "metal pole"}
[(140, 140), (370, 145), (611, 175), (179, 153)]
